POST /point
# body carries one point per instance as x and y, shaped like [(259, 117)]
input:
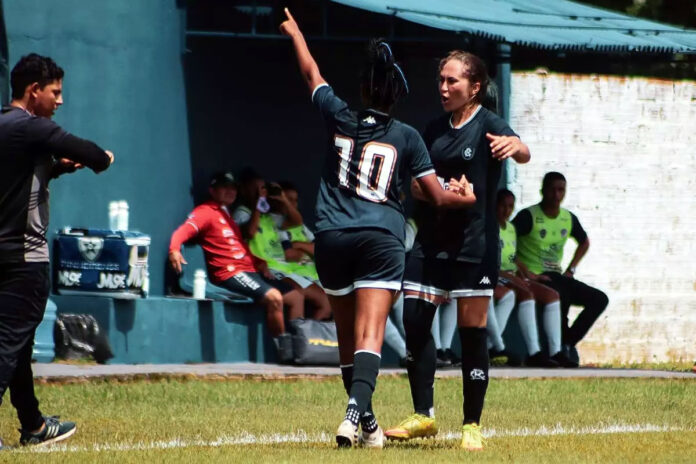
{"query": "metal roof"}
[(545, 24)]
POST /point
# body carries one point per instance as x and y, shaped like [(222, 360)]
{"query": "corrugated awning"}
[(545, 24)]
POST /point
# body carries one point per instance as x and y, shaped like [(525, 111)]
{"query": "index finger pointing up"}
[(287, 13)]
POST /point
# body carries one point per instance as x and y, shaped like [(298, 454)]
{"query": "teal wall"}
[(123, 89)]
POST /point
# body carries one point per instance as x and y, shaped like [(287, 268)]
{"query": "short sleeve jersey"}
[(369, 156), (462, 234), (226, 254), (508, 247), (541, 239)]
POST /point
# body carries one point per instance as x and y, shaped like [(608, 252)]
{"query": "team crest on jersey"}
[(90, 247), (467, 153), (369, 120), (564, 232), (542, 233)]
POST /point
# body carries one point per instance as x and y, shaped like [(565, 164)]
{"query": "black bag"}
[(314, 342), (78, 336)]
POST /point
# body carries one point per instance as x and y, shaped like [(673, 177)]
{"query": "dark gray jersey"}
[(462, 233), (27, 146), (369, 156)]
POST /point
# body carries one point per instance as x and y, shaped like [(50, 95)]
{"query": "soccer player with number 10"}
[(360, 225)]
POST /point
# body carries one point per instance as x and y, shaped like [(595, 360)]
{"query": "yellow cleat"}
[(415, 426), (472, 440)]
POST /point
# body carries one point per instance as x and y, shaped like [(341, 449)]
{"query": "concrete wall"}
[(123, 89), (626, 146)]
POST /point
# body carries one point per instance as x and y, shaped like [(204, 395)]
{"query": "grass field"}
[(530, 420)]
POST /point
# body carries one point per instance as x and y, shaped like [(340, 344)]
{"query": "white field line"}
[(303, 437)]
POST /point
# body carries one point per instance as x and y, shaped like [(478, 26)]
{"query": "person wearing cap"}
[(231, 264)]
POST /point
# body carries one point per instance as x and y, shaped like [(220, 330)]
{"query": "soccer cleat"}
[(53, 432), (497, 358), (415, 426), (375, 439), (539, 359), (346, 435), (563, 360), (454, 359), (441, 360), (472, 440)]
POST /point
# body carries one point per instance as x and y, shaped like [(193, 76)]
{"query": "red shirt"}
[(226, 254)]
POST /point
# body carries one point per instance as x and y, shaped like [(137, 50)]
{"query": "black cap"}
[(223, 179)]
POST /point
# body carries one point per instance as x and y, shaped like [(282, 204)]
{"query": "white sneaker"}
[(346, 435), (375, 439)]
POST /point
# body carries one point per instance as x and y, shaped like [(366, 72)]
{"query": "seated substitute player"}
[(262, 230), (360, 222), (230, 263), (542, 231), (455, 254), (528, 292)]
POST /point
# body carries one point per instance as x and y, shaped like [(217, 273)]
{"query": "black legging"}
[(574, 292)]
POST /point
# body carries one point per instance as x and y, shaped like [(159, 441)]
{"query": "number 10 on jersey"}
[(375, 156)]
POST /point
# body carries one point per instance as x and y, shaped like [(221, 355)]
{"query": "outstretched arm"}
[(308, 67), (508, 146), (460, 194)]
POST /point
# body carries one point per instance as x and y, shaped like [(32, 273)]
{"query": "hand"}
[(504, 146), (262, 268), (67, 165), (461, 187), (111, 157), (279, 197), (289, 27), (176, 259), (569, 274)]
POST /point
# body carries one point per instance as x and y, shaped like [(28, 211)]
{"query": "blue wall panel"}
[(123, 89)]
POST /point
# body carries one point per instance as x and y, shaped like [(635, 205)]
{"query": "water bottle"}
[(113, 215), (122, 215), (199, 284)]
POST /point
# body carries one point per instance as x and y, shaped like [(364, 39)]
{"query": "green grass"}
[(127, 413)]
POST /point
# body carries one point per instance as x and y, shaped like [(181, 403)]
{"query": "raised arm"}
[(308, 67)]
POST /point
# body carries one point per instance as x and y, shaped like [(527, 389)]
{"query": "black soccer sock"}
[(474, 371), (368, 421), (421, 353), (365, 370)]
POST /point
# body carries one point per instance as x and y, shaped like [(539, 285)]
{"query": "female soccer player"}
[(455, 253), (359, 247)]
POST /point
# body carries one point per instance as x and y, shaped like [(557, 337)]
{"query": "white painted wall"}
[(627, 147)]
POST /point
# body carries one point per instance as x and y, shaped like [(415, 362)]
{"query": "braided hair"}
[(383, 81)]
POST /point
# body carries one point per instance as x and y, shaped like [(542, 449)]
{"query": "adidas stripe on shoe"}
[(52, 432)]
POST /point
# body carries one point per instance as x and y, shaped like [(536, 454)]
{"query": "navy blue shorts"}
[(448, 278), (253, 285), (358, 258)]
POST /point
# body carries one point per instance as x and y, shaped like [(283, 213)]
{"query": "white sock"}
[(503, 309), (552, 326), (526, 316), (495, 336), (435, 329), (393, 338), (448, 323)]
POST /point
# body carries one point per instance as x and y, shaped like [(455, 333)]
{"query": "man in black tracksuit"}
[(32, 150)]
